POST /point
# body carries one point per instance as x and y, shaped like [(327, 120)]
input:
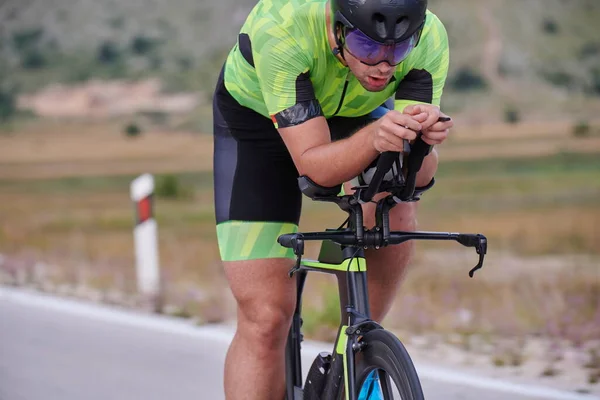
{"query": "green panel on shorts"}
[(248, 240)]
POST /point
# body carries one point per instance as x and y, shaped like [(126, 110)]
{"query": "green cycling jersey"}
[(283, 68)]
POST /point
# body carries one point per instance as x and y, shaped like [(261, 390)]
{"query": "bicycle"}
[(362, 345)]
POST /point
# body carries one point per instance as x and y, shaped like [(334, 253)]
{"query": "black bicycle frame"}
[(352, 287)]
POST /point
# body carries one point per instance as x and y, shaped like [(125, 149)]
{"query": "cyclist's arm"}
[(291, 102), (325, 162)]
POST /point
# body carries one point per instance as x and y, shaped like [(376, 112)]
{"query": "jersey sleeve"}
[(424, 82), (283, 71)]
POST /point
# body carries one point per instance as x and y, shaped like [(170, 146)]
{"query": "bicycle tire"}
[(384, 351)]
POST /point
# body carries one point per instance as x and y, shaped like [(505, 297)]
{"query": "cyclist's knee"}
[(266, 326), (265, 297), (403, 217)]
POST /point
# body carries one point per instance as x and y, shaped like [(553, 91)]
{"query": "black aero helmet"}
[(385, 21)]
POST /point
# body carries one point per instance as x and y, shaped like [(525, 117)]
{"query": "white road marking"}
[(223, 335)]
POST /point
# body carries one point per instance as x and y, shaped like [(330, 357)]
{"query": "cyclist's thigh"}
[(256, 200), (264, 293)]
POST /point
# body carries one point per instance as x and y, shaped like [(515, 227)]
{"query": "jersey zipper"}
[(343, 94)]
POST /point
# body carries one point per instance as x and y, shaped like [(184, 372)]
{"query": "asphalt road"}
[(53, 349)]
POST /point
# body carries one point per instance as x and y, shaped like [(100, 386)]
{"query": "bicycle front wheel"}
[(384, 370)]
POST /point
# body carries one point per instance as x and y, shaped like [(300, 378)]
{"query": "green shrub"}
[(108, 53), (595, 84), (132, 130), (581, 129), (511, 115), (141, 45), (33, 59), (550, 26), (559, 78), (589, 50), (8, 104), (467, 79), (27, 39), (169, 186)]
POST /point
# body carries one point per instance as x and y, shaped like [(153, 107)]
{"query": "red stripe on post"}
[(144, 209)]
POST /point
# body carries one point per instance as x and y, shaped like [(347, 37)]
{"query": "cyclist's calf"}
[(266, 296)]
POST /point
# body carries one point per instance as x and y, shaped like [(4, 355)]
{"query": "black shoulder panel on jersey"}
[(417, 85), (306, 107), (246, 48), (298, 113)]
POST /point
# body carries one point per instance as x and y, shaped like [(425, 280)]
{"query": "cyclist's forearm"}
[(337, 162)]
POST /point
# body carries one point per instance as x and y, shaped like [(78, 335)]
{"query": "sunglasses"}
[(371, 52)]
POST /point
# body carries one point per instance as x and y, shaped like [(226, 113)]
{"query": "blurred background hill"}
[(524, 59)]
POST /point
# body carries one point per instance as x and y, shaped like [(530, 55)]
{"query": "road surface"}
[(60, 349)]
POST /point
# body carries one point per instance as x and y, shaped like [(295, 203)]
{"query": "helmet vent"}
[(401, 27), (379, 23)]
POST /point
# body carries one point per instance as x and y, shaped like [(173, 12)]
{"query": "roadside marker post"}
[(145, 235)]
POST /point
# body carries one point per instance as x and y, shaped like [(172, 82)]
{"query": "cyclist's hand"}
[(392, 128), (434, 131)]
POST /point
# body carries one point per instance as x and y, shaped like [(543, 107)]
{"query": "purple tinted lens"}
[(371, 52)]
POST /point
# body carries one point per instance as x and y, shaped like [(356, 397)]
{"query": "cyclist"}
[(302, 92)]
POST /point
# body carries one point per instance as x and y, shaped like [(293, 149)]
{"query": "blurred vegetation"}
[(467, 79), (546, 47), (511, 115), (582, 129), (132, 130), (321, 318), (169, 186), (8, 106)]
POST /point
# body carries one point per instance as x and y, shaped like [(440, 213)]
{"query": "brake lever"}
[(479, 242), (478, 266), (481, 249)]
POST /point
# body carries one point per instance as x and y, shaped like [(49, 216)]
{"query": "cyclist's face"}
[(373, 78)]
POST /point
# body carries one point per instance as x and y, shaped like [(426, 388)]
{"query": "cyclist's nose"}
[(384, 68)]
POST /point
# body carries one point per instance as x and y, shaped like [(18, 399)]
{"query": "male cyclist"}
[(300, 93)]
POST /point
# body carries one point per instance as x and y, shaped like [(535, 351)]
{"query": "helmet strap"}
[(340, 44)]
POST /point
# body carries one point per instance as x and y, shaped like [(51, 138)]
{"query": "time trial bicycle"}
[(367, 362)]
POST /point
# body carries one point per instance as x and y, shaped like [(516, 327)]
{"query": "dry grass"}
[(548, 231), (82, 229), (510, 297), (80, 148), (51, 149)]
